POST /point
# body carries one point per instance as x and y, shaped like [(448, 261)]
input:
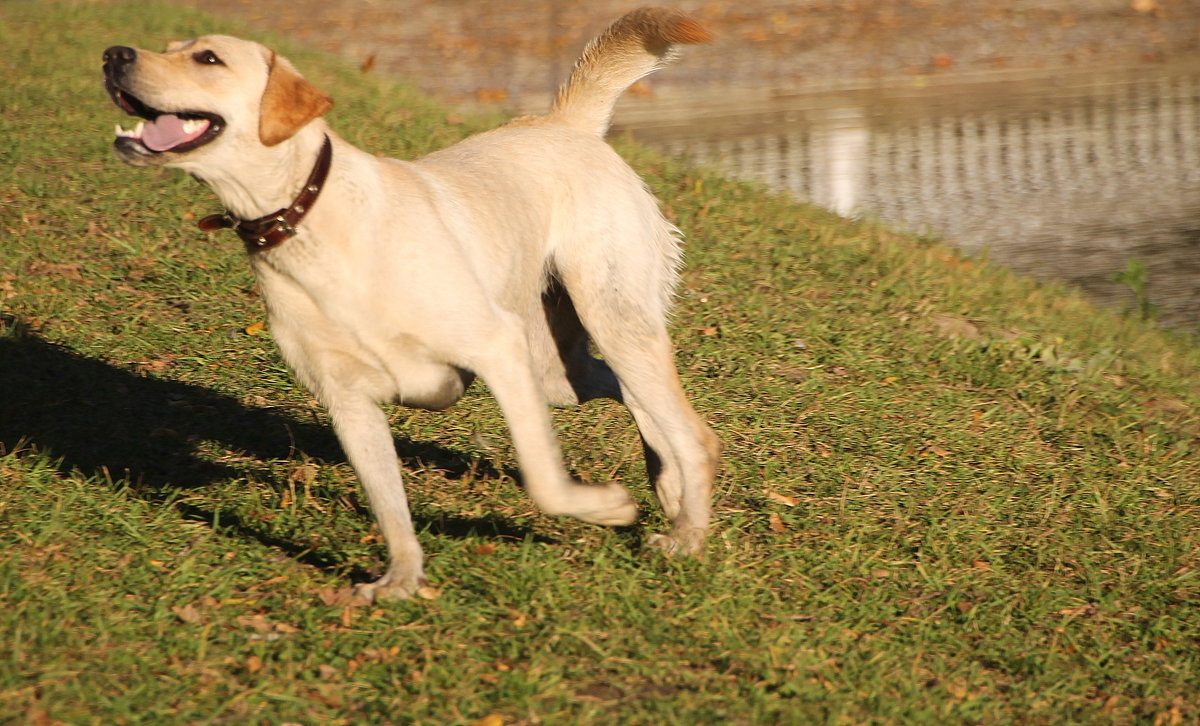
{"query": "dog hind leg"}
[(568, 371), (505, 365), (683, 451), (631, 333)]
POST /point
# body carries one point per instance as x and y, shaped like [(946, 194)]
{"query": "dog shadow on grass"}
[(115, 425)]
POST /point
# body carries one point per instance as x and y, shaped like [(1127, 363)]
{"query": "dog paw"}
[(604, 504), (687, 542), (389, 587)]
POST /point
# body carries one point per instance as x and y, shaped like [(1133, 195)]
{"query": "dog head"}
[(204, 94)]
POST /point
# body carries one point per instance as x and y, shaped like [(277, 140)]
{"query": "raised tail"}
[(635, 46)]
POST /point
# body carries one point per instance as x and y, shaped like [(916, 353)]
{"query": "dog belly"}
[(333, 364), (426, 383), (406, 373)]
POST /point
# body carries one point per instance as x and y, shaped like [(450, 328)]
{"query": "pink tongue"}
[(166, 132)]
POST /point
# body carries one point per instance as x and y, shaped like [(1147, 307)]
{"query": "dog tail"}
[(635, 46)]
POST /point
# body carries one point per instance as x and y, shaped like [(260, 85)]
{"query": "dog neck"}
[(272, 230), (272, 179)]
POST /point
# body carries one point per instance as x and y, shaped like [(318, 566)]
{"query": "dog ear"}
[(288, 103)]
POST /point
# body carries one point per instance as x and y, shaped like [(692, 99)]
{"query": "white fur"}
[(409, 278)]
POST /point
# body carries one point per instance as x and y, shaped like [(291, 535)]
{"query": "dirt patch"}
[(509, 53)]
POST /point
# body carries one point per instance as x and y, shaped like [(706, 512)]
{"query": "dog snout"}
[(117, 59)]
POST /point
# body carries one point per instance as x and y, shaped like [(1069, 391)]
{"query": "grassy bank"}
[(949, 494)]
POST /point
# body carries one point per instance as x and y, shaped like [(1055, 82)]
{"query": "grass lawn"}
[(949, 495)]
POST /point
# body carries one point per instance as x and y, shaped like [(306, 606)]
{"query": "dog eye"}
[(208, 58)]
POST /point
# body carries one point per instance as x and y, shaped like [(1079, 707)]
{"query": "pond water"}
[(1067, 175)]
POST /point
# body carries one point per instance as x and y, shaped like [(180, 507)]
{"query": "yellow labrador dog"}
[(501, 256)]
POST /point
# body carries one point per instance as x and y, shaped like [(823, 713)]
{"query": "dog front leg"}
[(362, 428)]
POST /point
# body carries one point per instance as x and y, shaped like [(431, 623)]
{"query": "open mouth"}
[(163, 131)]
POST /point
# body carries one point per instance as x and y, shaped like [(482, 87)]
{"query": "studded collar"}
[(276, 228)]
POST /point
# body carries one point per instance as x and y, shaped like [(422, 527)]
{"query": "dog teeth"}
[(135, 134), (191, 126)]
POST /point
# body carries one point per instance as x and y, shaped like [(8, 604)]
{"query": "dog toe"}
[(389, 588), (686, 542)]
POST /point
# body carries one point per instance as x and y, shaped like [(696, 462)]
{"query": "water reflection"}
[(1065, 175)]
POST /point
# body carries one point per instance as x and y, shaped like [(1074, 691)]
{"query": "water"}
[(1066, 175)]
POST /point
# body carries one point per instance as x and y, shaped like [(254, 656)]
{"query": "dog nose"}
[(119, 56)]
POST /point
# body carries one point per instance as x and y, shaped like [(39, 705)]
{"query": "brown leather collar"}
[(276, 228)]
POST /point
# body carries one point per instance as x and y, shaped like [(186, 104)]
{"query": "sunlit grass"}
[(949, 494)]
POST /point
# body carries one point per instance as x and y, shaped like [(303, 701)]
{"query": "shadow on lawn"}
[(113, 424)]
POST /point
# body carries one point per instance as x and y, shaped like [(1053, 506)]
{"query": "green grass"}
[(949, 494)]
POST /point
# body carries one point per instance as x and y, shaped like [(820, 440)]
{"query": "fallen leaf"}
[(39, 717), (327, 672), (328, 694), (1172, 717), (428, 593), (66, 270), (783, 499), (253, 664), (157, 365), (374, 655), (331, 597), (775, 522), (1167, 404), (1077, 611), (256, 622), (254, 328), (492, 719), (304, 474), (486, 548), (188, 614)]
